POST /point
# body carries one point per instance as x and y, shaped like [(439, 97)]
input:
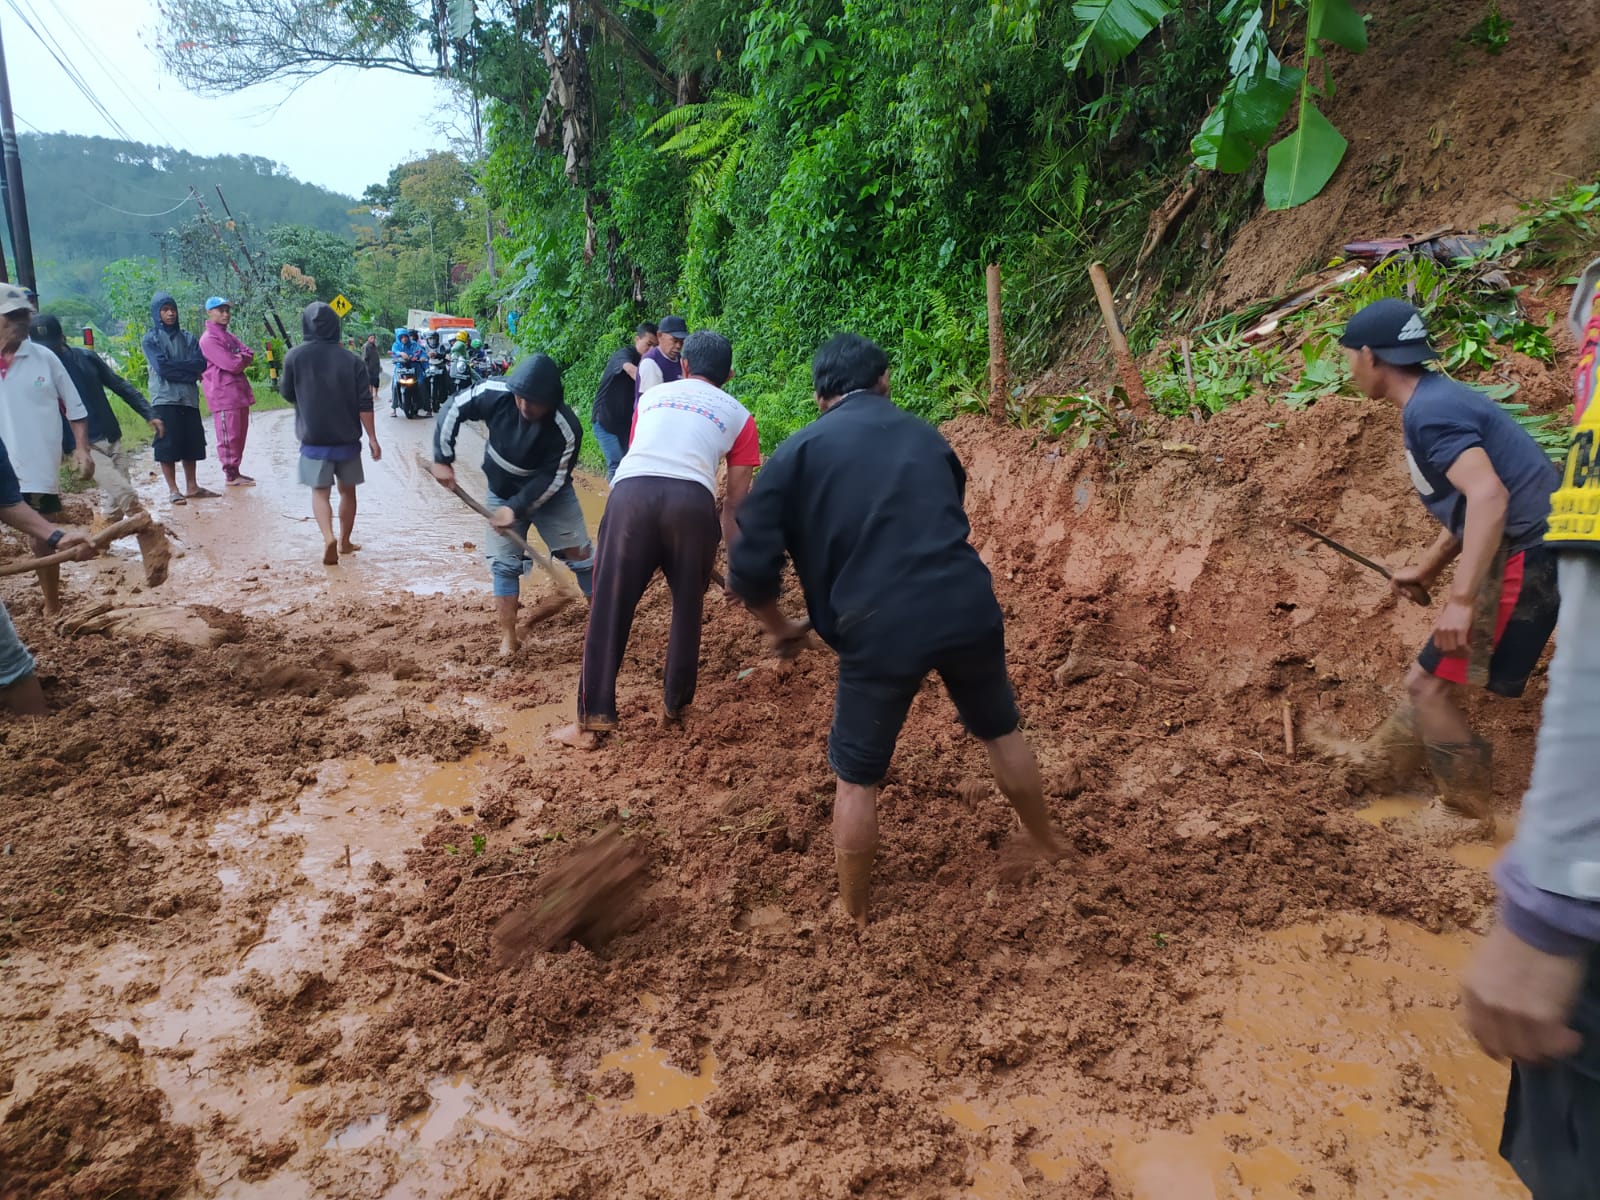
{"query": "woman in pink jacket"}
[(227, 390)]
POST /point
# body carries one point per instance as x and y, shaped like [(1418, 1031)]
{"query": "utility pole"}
[(245, 283), (16, 200), (249, 261)]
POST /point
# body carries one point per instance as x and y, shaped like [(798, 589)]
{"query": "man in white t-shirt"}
[(35, 393), (662, 514)]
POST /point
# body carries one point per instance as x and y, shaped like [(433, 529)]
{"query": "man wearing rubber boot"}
[(533, 444), (1487, 482), (1532, 991), (868, 503)]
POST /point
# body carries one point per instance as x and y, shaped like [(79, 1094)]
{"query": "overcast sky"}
[(344, 130)]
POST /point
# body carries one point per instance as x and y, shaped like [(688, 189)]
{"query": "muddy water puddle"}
[(257, 550), (1340, 1069), (1479, 853), (660, 1088)]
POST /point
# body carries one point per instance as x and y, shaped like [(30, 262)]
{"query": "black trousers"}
[(650, 523), (1552, 1128)]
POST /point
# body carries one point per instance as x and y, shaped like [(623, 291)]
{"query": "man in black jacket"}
[(614, 399), (92, 375), (532, 448), (332, 399), (868, 503)]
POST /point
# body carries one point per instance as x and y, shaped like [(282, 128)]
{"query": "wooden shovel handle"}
[(102, 539), (511, 535)]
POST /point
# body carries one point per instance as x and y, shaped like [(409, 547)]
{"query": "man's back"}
[(326, 383), (682, 430), (868, 499)]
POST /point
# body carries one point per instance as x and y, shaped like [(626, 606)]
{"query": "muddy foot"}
[(508, 646), (330, 554), (348, 547), (578, 739)]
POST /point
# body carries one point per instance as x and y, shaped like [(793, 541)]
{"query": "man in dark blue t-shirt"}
[(1487, 482)]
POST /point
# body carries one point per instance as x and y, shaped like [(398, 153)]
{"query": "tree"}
[(328, 260)]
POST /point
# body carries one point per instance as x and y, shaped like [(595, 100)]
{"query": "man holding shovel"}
[(20, 693), (868, 502), (1487, 482), (533, 445)]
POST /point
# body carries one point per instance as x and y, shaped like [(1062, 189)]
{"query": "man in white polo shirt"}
[(35, 393), (662, 514)]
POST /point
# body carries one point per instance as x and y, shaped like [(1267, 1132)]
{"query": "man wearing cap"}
[(176, 365), (614, 399), (662, 516), (228, 392), (35, 393), (92, 376), (332, 409), (1487, 482), (660, 363), (532, 447)]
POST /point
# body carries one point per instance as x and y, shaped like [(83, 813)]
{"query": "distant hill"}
[(92, 200)]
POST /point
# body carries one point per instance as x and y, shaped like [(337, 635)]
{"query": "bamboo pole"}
[(1132, 381), (997, 346)]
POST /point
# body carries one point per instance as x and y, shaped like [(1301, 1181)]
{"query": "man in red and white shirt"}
[(662, 513)]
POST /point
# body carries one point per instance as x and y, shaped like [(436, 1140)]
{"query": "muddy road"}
[(249, 882)]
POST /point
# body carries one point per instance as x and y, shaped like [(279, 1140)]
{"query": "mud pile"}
[(1196, 830)]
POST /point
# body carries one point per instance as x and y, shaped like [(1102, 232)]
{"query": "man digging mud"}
[(1487, 482), (868, 503), (533, 444), (662, 516), (332, 401)]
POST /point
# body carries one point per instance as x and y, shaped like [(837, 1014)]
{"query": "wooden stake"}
[(1188, 368), (997, 346), (1132, 381), (1288, 729)]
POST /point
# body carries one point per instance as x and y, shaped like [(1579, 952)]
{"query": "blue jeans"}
[(611, 446), (559, 521), (15, 661)]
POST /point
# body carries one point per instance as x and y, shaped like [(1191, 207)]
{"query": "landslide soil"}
[(260, 879)]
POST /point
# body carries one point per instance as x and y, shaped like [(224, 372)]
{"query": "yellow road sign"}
[(341, 306)]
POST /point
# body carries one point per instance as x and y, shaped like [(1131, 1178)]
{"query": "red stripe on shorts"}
[(1453, 667)]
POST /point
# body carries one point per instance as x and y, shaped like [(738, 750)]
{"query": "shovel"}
[(1414, 592), (550, 605), (152, 548)]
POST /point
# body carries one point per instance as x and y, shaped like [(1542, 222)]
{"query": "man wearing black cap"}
[(660, 364), (1487, 482), (533, 443)]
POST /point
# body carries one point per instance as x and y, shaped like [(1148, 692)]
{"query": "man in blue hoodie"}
[(332, 399), (533, 445), (176, 365)]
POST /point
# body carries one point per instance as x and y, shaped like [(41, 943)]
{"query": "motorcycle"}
[(462, 376), (436, 387), (408, 389)]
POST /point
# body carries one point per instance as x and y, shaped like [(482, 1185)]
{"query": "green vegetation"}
[(1493, 33)]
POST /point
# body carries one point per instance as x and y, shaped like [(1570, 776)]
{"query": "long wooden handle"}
[(511, 535), (102, 539)]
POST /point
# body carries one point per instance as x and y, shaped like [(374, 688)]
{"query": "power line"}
[(77, 81), (126, 213), (106, 64)]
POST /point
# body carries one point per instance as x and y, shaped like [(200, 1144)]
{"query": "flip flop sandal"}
[(202, 494), (176, 498)]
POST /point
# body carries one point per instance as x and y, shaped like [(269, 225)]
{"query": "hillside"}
[(93, 200)]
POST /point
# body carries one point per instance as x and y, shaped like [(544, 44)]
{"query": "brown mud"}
[(250, 888)]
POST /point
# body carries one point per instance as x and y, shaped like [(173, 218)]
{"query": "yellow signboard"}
[(341, 306)]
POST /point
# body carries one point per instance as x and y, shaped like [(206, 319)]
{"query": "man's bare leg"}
[(855, 845), (505, 611), (1441, 722), (190, 484), (1016, 770), (50, 585), (347, 518), (24, 698), (169, 472), (322, 510)]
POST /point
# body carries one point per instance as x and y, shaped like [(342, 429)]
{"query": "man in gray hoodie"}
[(176, 365), (332, 399), (1532, 993)]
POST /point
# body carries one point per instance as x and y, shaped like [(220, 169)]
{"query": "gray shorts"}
[(15, 661), (324, 472), (559, 521)]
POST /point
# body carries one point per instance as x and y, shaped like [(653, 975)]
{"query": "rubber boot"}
[(1463, 772), (855, 882)]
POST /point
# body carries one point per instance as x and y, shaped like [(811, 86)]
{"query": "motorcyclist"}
[(438, 384), (406, 350)]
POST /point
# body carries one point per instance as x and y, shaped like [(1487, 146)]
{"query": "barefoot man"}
[(35, 393), (867, 501), (662, 515), (1488, 484), (532, 447), (332, 400)]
